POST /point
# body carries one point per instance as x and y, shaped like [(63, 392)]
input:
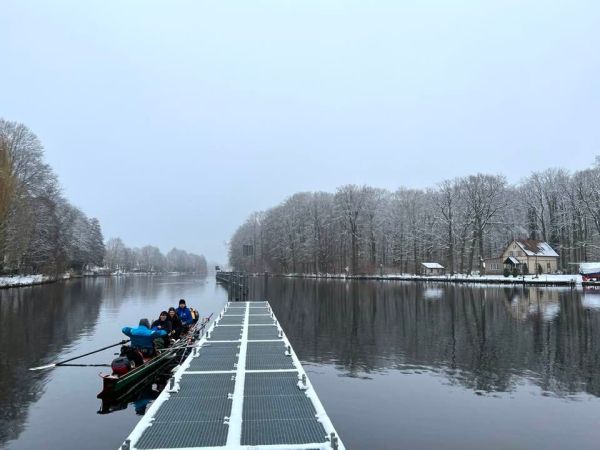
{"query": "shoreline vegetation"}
[(42, 233), (458, 223)]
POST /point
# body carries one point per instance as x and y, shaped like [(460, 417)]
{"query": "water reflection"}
[(37, 323), (484, 338), (397, 365), (140, 399), (57, 408)]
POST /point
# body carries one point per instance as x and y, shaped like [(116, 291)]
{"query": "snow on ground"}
[(529, 279), (545, 278), (23, 280)]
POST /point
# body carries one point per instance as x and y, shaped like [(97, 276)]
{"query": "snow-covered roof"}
[(512, 260), (432, 265), (589, 267), (536, 248)]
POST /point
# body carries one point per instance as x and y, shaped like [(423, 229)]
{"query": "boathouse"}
[(432, 268), (528, 256)]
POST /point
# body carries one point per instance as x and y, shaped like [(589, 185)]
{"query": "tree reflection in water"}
[(36, 324), (486, 338)]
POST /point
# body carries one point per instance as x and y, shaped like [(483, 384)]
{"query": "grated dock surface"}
[(242, 387)]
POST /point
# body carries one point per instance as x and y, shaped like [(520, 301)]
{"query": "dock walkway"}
[(242, 387)]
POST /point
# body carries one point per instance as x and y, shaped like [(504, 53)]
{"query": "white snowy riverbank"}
[(545, 279), (24, 280)]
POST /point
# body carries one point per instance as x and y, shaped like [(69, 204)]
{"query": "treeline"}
[(458, 223), (150, 259), (40, 231)]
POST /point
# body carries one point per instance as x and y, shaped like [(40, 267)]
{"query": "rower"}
[(185, 315), (162, 323), (142, 337), (175, 323)]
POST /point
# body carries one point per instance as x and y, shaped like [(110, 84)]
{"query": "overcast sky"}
[(171, 121)]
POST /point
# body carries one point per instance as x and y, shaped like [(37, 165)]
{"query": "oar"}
[(84, 365), (60, 363)]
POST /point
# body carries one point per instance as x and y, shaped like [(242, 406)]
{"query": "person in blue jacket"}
[(184, 313), (142, 337)]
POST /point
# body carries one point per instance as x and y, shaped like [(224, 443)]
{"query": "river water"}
[(397, 365)]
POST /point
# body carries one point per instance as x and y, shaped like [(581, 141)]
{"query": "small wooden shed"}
[(432, 268)]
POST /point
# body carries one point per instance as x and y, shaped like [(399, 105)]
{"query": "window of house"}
[(548, 266), (512, 253)]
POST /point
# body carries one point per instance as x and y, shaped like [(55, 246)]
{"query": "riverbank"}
[(24, 280), (12, 281), (543, 280)]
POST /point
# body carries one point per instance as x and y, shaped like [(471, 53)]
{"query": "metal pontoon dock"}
[(242, 387)]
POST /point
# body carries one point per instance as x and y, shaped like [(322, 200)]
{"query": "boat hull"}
[(115, 387)]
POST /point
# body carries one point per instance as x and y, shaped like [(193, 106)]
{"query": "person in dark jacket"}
[(142, 337), (184, 313), (163, 323), (176, 326)]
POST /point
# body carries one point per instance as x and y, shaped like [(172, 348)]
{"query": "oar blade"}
[(48, 366)]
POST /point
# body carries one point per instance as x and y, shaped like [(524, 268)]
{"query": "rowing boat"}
[(116, 386)]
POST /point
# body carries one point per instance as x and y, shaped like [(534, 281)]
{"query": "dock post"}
[(229, 285), (266, 286), (334, 441)]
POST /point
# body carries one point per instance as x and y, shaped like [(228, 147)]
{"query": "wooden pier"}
[(242, 387)]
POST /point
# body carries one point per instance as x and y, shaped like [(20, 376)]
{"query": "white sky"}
[(171, 121)]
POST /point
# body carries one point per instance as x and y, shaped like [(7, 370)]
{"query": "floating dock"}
[(242, 387)]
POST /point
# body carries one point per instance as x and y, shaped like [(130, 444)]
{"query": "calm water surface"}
[(396, 365)]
